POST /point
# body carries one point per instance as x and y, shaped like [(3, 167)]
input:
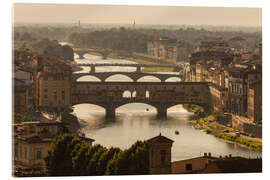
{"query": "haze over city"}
[(116, 14)]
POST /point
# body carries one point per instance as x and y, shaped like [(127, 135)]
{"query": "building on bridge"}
[(161, 95)]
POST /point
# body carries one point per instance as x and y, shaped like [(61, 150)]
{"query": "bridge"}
[(161, 95), (134, 75), (176, 68), (82, 51)]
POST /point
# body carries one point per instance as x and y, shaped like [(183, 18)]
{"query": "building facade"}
[(160, 155), (53, 84), (168, 49)]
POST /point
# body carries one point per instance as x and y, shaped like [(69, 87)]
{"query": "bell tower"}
[(160, 155)]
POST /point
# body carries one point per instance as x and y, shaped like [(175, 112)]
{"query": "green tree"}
[(18, 118), (59, 157)]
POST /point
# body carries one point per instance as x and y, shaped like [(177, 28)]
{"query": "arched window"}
[(147, 94), (134, 94), (126, 94)]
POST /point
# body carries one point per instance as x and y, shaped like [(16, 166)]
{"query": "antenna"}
[(134, 24)]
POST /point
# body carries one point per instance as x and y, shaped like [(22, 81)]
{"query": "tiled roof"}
[(160, 139), (239, 165)]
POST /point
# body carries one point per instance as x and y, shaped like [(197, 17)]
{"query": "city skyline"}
[(121, 14)]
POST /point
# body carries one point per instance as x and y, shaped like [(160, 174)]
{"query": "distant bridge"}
[(135, 76), (176, 68), (82, 51), (161, 95)]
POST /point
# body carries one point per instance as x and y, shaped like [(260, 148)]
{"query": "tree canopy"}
[(70, 155)]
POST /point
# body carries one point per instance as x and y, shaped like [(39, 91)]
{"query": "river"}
[(133, 122)]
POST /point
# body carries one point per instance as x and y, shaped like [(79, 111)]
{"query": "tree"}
[(59, 156), (67, 53), (18, 118)]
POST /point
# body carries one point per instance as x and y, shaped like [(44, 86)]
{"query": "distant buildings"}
[(235, 81), (168, 49), (23, 95)]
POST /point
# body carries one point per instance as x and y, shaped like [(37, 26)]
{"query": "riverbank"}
[(210, 126)]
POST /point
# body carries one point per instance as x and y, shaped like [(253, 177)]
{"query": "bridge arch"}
[(173, 79), (86, 78), (148, 78), (137, 102), (127, 94), (119, 78), (205, 108)]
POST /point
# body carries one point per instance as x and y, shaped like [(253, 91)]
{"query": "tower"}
[(134, 24), (160, 155)]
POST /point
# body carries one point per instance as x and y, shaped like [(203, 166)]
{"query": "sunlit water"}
[(134, 122)]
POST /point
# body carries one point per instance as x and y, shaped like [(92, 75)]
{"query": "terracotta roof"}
[(36, 139), (160, 139), (239, 165)]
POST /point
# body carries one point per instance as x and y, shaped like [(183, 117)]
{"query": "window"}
[(20, 151), (25, 153), (16, 152), (45, 90), (45, 78), (45, 96), (163, 156), (63, 94), (39, 154), (188, 167), (55, 94)]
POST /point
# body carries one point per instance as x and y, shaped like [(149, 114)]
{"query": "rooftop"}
[(160, 139)]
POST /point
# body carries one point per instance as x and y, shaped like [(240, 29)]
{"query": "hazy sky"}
[(64, 13)]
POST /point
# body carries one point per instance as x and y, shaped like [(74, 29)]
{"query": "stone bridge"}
[(82, 51), (176, 68), (161, 95), (135, 76)]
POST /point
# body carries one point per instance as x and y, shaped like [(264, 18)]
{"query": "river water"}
[(133, 122)]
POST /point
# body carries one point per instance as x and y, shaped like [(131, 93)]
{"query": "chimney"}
[(226, 157), (230, 155), (205, 154), (209, 154), (220, 157)]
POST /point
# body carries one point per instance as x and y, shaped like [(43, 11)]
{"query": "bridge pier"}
[(93, 69), (81, 56), (110, 113), (138, 69), (162, 112)]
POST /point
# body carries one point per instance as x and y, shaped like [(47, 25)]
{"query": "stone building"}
[(234, 165), (160, 155), (21, 97), (168, 49), (238, 43), (255, 101), (193, 165), (211, 44), (237, 92), (53, 83), (31, 141)]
